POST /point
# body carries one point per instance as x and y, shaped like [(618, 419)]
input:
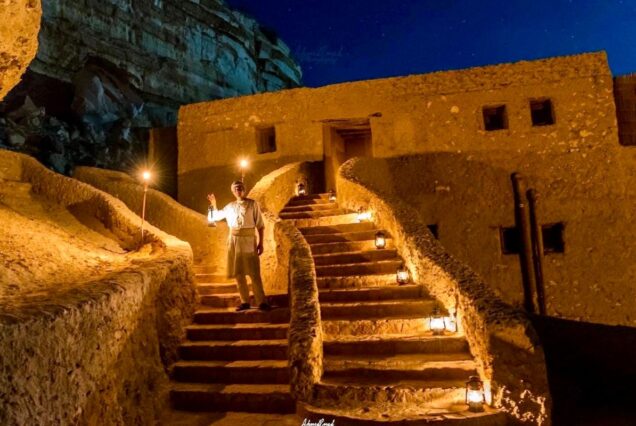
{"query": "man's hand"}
[(259, 249), (212, 200)]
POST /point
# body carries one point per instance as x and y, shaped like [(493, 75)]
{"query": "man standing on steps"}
[(244, 219)]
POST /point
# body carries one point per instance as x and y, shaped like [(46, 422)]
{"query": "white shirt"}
[(239, 214)]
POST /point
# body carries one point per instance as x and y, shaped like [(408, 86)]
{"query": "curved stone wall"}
[(97, 353), (18, 41), (501, 339)]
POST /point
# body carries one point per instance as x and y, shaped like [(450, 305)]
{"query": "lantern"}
[(332, 196), (402, 275), (475, 396), (363, 216), (211, 222), (380, 240), (450, 322), (436, 322), (301, 191)]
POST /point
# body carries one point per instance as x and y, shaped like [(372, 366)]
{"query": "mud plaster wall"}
[(96, 354), (18, 41), (288, 266), (502, 339), (469, 196), (208, 243), (438, 112)]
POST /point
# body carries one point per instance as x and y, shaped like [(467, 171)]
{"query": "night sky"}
[(346, 40)]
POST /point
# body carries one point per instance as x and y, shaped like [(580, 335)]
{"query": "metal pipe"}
[(537, 249), (525, 252)]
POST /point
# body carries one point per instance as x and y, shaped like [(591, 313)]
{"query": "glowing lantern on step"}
[(332, 196), (363, 216), (436, 323), (402, 275), (301, 190), (380, 240), (475, 396)]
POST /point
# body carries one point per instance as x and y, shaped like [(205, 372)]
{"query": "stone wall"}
[(97, 353), (208, 243), (502, 339), (18, 41), (438, 112), (287, 266)]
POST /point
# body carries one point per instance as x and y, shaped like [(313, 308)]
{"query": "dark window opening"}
[(434, 230), (495, 118), (541, 112), (265, 140), (553, 241)]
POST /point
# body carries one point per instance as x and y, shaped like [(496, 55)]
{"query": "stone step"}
[(216, 288), (395, 291), (339, 229), (356, 281), (400, 414), (325, 220), (257, 331), (347, 246), (362, 268), (377, 309), (387, 324), (355, 389), (309, 208), (207, 315), (307, 201), (401, 367), (205, 278), (342, 237), (316, 196), (355, 257), (206, 269), (251, 371), (396, 344), (233, 350), (233, 299), (312, 214), (268, 398)]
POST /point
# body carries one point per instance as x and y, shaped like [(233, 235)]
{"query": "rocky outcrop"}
[(108, 71), (18, 41)]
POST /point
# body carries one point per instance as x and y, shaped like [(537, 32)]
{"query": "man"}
[(244, 219)]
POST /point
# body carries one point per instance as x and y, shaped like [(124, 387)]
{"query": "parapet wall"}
[(97, 353), (502, 339)]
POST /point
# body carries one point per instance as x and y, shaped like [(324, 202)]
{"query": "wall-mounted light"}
[(332, 196), (301, 190), (436, 322), (146, 175), (475, 396), (380, 240), (402, 275), (244, 164)]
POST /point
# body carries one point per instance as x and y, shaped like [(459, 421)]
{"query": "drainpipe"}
[(525, 254), (537, 249)]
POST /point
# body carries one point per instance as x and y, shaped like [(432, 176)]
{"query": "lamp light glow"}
[(243, 164), (402, 275), (146, 175), (301, 190), (332, 196), (380, 240), (363, 216), (436, 322), (475, 397)]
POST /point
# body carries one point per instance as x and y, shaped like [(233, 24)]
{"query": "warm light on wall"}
[(380, 240), (332, 196), (363, 216), (402, 275), (436, 322), (475, 397)]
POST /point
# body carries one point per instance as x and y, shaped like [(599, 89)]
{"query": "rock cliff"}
[(108, 70)]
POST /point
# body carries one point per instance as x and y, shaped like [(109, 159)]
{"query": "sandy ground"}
[(46, 249)]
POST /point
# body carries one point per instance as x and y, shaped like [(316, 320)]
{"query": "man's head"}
[(238, 189)]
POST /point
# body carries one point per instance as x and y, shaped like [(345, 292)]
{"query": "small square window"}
[(434, 230), (510, 240), (541, 112), (265, 140), (553, 241), (495, 118)]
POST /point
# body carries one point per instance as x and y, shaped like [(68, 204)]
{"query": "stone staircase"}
[(382, 365), (232, 361)]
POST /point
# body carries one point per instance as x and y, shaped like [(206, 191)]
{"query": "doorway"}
[(344, 139)]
